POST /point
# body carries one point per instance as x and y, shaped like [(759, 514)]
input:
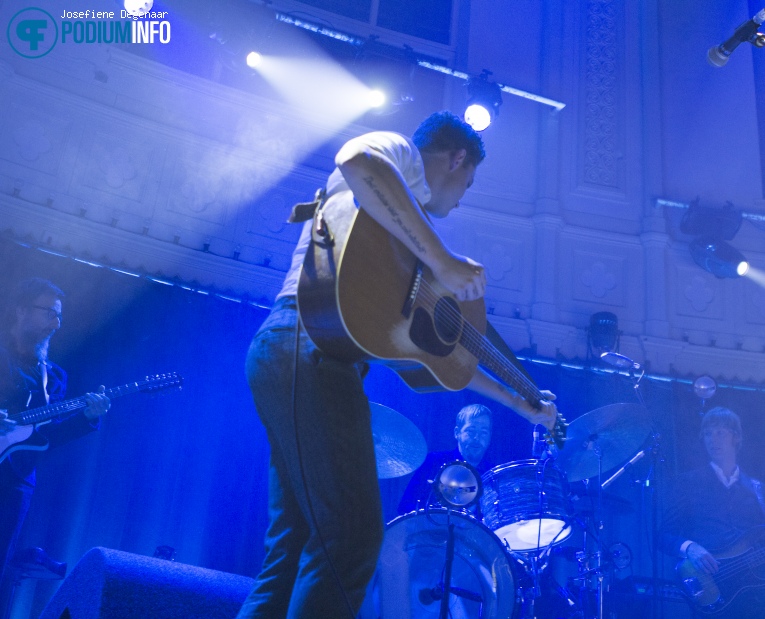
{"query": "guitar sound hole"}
[(447, 319)]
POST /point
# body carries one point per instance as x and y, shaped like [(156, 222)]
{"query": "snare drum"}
[(525, 504), (407, 584)]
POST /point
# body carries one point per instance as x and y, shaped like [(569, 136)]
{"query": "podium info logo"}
[(32, 32)]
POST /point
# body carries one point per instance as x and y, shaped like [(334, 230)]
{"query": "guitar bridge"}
[(693, 587), (414, 288)]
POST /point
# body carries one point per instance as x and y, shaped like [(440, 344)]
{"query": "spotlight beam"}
[(757, 276), (661, 202), (425, 64)]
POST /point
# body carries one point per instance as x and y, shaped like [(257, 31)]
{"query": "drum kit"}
[(444, 562)]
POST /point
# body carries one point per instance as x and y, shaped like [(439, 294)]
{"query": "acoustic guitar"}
[(362, 295)]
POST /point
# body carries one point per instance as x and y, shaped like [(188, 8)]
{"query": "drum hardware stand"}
[(533, 566), (648, 486), (583, 557)]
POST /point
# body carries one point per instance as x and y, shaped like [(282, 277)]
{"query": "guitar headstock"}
[(557, 436), (161, 382)]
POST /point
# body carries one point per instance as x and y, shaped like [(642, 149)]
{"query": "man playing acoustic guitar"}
[(29, 379), (711, 523), (326, 526)]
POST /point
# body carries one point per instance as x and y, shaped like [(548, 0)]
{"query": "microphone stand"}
[(636, 379), (445, 589), (583, 558), (447, 583), (648, 484)]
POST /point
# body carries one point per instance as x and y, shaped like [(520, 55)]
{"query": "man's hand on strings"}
[(546, 415), (462, 276), (98, 403), (701, 558)]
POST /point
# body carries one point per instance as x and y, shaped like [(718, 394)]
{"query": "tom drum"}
[(525, 504)]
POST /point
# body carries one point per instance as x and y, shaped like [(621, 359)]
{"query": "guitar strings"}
[(471, 336), (736, 564), (474, 337)]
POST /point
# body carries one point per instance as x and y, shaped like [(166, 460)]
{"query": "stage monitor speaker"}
[(111, 584)]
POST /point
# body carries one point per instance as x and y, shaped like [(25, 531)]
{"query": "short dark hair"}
[(720, 416), (24, 295), (30, 289), (470, 412), (443, 131)]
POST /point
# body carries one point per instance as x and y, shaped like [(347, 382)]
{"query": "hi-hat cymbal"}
[(399, 446), (603, 439)]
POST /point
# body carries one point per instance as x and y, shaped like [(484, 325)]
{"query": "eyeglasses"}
[(49, 312)]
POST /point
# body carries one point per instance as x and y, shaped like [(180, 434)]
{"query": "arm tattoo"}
[(394, 213)]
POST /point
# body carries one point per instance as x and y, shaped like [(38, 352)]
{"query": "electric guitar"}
[(742, 566), (23, 436), (362, 295)]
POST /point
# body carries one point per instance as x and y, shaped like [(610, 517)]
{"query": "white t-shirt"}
[(404, 156)]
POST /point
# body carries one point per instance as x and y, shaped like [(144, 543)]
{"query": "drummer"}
[(473, 434)]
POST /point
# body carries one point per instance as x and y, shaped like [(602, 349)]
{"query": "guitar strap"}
[(303, 211), (44, 376)]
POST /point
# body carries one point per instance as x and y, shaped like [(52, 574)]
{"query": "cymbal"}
[(400, 447), (614, 431)]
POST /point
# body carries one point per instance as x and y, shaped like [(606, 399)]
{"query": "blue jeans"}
[(326, 528)]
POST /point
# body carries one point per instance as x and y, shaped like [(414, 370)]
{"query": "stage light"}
[(138, 8), (254, 60), (477, 116), (603, 334), (484, 99), (376, 98), (720, 223), (718, 257)]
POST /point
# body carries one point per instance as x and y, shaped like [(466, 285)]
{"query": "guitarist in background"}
[(711, 508), (29, 379), (326, 526)]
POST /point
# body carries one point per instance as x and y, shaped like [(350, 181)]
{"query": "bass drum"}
[(407, 584)]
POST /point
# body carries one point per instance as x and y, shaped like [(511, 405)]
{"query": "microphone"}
[(719, 54), (620, 361)]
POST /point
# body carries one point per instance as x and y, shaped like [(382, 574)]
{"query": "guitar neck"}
[(491, 358), (45, 413)]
